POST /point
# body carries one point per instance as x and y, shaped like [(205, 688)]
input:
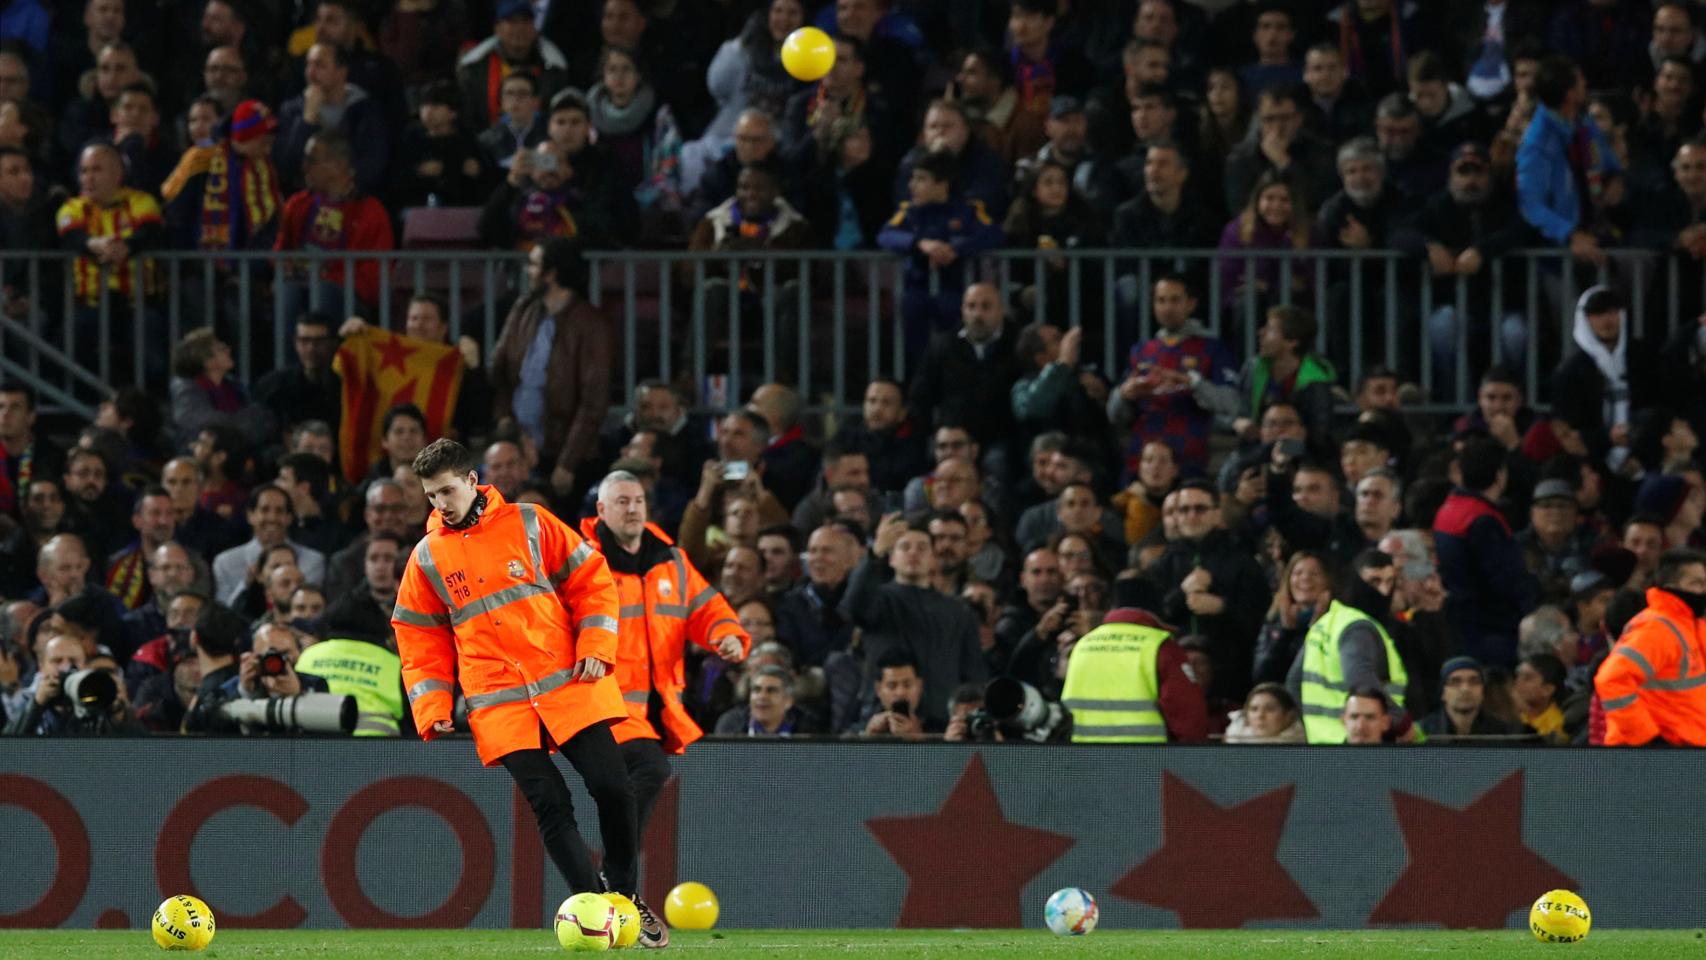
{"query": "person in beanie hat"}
[(1463, 682), (226, 195)]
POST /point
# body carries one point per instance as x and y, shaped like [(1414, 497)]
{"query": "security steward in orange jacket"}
[(665, 603), (509, 601), (1652, 686)]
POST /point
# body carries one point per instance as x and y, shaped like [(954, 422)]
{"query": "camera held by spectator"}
[(1013, 710)]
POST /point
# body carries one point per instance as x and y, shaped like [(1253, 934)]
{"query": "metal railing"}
[(830, 321)]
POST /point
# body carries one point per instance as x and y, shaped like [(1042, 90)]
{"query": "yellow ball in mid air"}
[(183, 922), (691, 906), (627, 921), (807, 54), (1559, 916)]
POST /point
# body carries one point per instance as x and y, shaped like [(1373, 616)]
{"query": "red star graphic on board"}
[(966, 865), (1468, 868), (1216, 867), (393, 353)]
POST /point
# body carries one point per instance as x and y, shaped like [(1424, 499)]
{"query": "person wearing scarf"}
[(225, 195), (333, 215), (1607, 376), (1375, 40)]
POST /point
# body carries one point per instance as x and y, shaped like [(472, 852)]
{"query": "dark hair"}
[(219, 631), (141, 410), (946, 516), (336, 144), (525, 77), (1287, 702), (1030, 341), (444, 454), (316, 318), (855, 45), (895, 658), (1395, 106), (1297, 325), (783, 530), (1173, 276), (1156, 91), (1554, 79), (570, 99), (1043, 8), (1372, 559), (836, 449), (1624, 605), (254, 499), (151, 490), (1480, 462), (6, 150), (1199, 484), (1369, 691), (28, 393), (561, 258), (1500, 373), (141, 87), (192, 351), (1551, 669), (1428, 67), (766, 168), (993, 60), (1671, 563), (311, 470), (443, 93), (438, 303), (408, 410), (849, 527), (84, 610), (937, 165), (1603, 300)]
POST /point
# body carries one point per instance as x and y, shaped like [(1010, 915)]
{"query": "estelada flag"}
[(380, 370)]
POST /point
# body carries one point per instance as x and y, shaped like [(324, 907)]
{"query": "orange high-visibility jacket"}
[(1654, 682), (507, 607), (661, 611)]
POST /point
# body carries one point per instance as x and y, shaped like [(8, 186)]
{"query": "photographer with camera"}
[(74, 694), (268, 669)]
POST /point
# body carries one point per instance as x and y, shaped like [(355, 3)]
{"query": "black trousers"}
[(595, 756), (648, 771)]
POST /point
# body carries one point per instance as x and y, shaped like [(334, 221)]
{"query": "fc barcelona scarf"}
[(239, 198)]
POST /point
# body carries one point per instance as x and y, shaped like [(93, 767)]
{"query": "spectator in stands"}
[(1367, 717), (306, 478), (1643, 536), (418, 38), (839, 100), (745, 72), (742, 579), (891, 440), (333, 214), (1156, 475), (332, 104), (1489, 588), (384, 511), (87, 118), (845, 468), (442, 163), (514, 46), (1139, 112), (1212, 584), (639, 134), (896, 700), (681, 440), (97, 507), (170, 571), (1049, 215), (1274, 66), (106, 223), (1606, 379), (810, 618), (521, 125), (754, 143), (42, 516), (363, 611), (199, 528), (1608, 40), (1269, 715), (1280, 146), (976, 174), (27, 205), (225, 195), (847, 193), (769, 710), (1304, 592), (1054, 391), (310, 390), (204, 393), (551, 366), (1158, 399), (1461, 714), (503, 466), (1337, 108), (1555, 546), (125, 571), (939, 235), (899, 609), (1449, 114), (1167, 212), (1412, 165), (536, 202), (1067, 145), (1042, 68), (1276, 218), (136, 133), (983, 85), (74, 52), (24, 453), (224, 74), (1561, 148), (1285, 370), (1303, 501), (270, 517), (967, 376), (1539, 683), (779, 548)]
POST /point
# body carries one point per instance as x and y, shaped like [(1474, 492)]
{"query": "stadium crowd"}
[(1327, 558)]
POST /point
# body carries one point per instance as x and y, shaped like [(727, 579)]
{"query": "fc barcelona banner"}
[(380, 370)]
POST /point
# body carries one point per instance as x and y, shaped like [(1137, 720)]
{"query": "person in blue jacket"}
[(938, 235), (1565, 168)]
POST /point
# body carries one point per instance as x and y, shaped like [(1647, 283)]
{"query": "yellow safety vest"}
[(1324, 687), (369, 673), (1112, 682)]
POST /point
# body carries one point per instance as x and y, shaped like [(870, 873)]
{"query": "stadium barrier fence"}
[(325, 834)]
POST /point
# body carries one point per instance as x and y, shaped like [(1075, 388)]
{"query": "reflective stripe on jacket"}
[(1653, 683), (1324, 687), (1112, 684), (365, 671), (661, 611), (506, 608)]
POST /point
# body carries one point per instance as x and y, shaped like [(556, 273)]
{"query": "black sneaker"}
[(653, 933)]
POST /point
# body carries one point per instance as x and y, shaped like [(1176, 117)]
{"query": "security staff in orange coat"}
[(665, 603), (1653, 683), (509, 601)]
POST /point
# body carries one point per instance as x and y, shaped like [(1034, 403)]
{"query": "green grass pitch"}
[(814, 944)]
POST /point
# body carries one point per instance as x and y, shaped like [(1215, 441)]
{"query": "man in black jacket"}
[(967, 375), (1211, 586), (899, 608), (893, 443)]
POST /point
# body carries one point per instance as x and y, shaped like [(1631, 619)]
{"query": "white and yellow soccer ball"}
[(585, 922), (1559, 916), (183, 922), (1070, 912)]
